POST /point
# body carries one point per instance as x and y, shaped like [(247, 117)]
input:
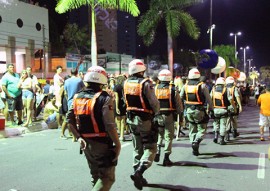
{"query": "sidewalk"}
[(13, 131)]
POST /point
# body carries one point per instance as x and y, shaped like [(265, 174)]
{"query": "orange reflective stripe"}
[(136, 90), (219, 96), (165, 94), (96, 129), (193, 89), (141, 90), (86, 106)]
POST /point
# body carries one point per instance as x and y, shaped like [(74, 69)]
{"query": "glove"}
[(211, 114)]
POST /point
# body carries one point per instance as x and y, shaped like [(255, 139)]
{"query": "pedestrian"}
[(58, 82), (72, 86), (35, 89), (170, 107), (51, 112), (46, 88), (264, 103), (196, 95), (142, 105), (13, 94), (220, 96), (120, 106), (91, 120), (25, 84), (237, 106)]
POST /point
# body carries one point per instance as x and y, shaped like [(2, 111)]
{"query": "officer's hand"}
[(117, 111), (82, 143)]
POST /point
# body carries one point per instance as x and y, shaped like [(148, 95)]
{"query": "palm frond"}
[(129, 6), (172, 23), (189, 25)]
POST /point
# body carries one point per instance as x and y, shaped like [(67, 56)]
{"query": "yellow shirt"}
[(264, 102)]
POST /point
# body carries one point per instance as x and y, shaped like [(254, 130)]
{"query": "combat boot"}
[(167, 161), (195, 147), (222, 141), (235, 133), (157, 157), (215, 140), (227, 136), (137, 177)]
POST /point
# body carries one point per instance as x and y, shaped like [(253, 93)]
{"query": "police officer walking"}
[(237, 106), (220, 96), (170, 105), (196, 94), (91, 119), (142, 105)]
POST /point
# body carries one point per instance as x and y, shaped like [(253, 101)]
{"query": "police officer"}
[(170, 105), (220, 97), (142, 105), (196, 94), (236, 107), (91, 119)]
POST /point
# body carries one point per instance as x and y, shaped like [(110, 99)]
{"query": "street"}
[(42, 161)]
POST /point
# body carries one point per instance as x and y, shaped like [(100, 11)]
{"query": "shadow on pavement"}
[(177, 187)]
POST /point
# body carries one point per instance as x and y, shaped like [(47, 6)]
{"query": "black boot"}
[(144, 181), (222, 141), (167, 161), (235, 133), (138, 178), (195, 147), (157, 154), (227, 136), (215, 140)]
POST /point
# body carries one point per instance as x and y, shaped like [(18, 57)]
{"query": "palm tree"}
[(170, 11), (129, 6)]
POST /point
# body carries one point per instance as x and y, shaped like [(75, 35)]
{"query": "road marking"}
[(125, 144), (261, 166)]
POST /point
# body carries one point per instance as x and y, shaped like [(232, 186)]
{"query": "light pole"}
[(235, 42), (245, 64), (249, 65), (211, 25)]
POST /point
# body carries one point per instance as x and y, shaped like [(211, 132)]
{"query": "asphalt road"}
[(42, 161)]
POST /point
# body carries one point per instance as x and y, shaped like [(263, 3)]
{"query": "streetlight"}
[(245, 64), (210, 30), (249, 65), (235, 42)]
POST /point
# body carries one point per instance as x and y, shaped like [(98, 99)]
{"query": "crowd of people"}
[(98, 110)]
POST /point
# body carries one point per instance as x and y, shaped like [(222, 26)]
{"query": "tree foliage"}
[(227, 52), (172, 13), (76, 40)]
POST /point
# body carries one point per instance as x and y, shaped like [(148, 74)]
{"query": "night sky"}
[(251, 17)]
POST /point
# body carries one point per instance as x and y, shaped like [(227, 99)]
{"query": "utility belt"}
[(198, 107), (217, 116), (143, 115)]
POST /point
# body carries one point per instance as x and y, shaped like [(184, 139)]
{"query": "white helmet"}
[(229, 80), (165, 75), (220, 80), (194, 74), (136, 66), (96, 74)]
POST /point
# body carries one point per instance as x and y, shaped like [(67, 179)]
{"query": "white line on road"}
[(261, 166), (125, 144)]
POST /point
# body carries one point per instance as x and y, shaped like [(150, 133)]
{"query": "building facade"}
[(24, 30)]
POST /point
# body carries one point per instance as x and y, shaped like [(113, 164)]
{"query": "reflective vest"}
[(133, 91), (165, 96), (88, 126), (220, 99), (192, 94), (231, 91)]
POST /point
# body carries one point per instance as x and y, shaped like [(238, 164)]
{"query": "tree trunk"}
[(93, 39), (170, 53)]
